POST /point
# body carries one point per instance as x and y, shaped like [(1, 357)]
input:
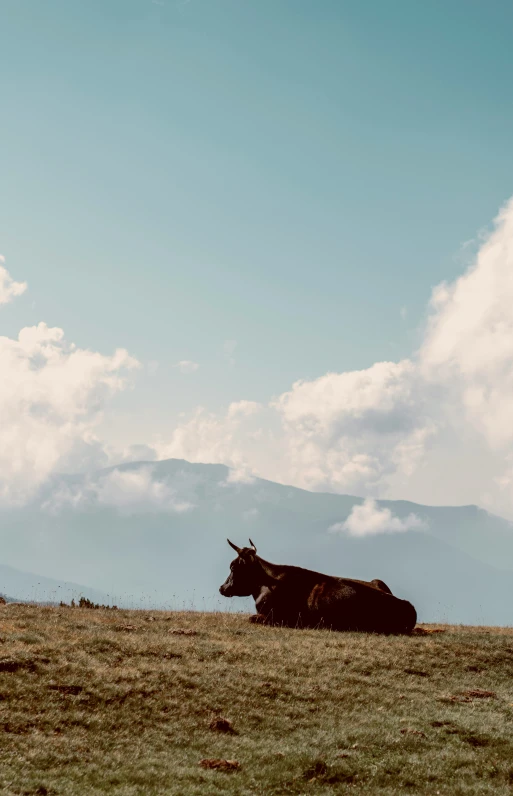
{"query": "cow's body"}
[(297, 597)]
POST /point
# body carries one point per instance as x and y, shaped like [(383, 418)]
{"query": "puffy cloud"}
[(341, 432), (9, 289), (230, 439), (437, 426), (468, 347), (243, 408), (186, 366), (52, 398), (367, 519), (350, 431)]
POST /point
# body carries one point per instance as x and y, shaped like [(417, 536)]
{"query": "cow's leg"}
[(261, 619), (264, 606)]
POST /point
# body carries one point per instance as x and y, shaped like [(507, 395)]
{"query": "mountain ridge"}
[(164, 536), (32, 587)]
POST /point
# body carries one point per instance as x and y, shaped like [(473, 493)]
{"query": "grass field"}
[(131, 702)]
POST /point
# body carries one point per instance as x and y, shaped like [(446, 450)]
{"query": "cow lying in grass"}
[(297, 597)]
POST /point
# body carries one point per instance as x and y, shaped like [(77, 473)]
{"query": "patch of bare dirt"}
[(15, 665), (220, 724), (72, 690), (219, 764), (478, 693)]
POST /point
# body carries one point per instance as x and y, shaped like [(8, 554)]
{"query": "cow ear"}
[(253, 546), (237, 549)]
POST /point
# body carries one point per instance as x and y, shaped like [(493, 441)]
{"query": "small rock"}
[(181, 632)]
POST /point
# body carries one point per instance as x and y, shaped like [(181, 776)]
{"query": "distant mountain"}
[(27, 587), (155, 534)]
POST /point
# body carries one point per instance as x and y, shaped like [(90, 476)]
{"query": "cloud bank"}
[(437, 426), (51, 400)]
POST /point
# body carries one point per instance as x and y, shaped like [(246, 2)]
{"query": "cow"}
[(297, 597)]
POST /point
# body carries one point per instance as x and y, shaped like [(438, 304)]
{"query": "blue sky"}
[(292, 175)]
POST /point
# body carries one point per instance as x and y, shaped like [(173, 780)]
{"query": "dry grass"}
[(125, 703)]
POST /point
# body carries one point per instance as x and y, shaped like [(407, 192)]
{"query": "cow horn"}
[(252, 545), (237, 549)]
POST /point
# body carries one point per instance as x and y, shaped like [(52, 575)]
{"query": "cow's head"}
[(245, 572)]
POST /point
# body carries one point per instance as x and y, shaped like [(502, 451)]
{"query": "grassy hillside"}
[(98, 701)]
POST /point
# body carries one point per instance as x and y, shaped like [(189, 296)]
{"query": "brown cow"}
[(297, 597)]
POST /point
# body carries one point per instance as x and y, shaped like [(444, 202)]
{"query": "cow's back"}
[(345, 604), (301, 597)]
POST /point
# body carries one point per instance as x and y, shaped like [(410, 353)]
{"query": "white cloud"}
[(468, 348), (243, 408), (52, 397), (348, 431), (437, 427), (225, 439), (342, 432), (9, 289), (434, 427), (368, 519), (186, 366)]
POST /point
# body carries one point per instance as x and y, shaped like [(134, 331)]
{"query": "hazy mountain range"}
[(36, 588), (154, 534)]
